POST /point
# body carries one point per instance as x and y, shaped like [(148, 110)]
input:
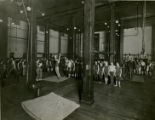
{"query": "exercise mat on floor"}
[(49, 107), (55, 79)]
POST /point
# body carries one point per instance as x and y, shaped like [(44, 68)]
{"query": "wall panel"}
[(40, 39), (17, 38), (54, 37), (64, 44), (133, 40)]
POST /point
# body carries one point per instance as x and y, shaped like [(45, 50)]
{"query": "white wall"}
[(133, 40), (17, 38), (64, 44), (40, 40), (102, 39), (53, 41)]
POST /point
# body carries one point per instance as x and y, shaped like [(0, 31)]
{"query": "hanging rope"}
[(143, 27)]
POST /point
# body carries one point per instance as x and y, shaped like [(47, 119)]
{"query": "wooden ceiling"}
[(61, 14)]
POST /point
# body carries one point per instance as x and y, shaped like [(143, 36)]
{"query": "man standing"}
[(112, 72)]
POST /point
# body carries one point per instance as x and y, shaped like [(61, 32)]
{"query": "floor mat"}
[(49, 107), (55, 79)]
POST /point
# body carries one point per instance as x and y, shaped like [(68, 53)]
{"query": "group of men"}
[(12, 67), (109, 74), (59, 65), (63, 66), (138, 66)]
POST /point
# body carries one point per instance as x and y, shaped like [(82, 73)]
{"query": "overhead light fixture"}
[(67, 29), (119, 25), (1, 20), (28, 8), (116, 30), (108, 26), (117, 34), (42, 14), (82, 2), (116, 21), (21, 11), (105, 23), (75, 28), (12, 23), (79, 30)]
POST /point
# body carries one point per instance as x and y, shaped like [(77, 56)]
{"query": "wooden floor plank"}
[(133, 101)]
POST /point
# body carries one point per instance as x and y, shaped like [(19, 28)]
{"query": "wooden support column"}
[(89, 15), (107, 46), (59, 43), (3, 37), (118, 44), (81, 48), (70, 44), (121, 44), (153, 42), (46, 45), (112, 33), (78, 44), (74, 43), (32, 45)]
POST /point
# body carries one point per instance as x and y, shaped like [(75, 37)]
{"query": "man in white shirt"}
[(112, 71), (143, 65)]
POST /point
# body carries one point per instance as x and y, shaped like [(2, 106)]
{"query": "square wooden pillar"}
[(153, 42), (121, 44), (3, 37), (74, 43), (70, 44), (59, 43), (78, 45), (46, 44), (89, 15), (31, 74), (112, 33)]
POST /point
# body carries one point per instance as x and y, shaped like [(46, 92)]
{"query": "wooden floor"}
[(134, 101)]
